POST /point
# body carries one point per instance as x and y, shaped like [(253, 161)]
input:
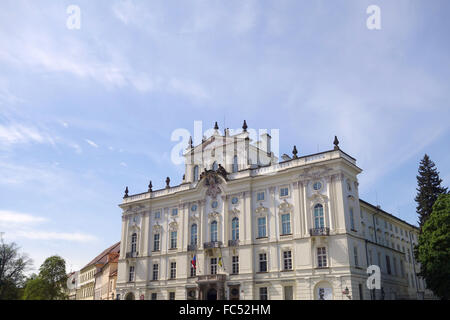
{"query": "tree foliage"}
[(50, 284), (12, 268), (433, 250), (428, 188)]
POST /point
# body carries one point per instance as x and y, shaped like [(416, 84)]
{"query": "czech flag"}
[(194, 261)]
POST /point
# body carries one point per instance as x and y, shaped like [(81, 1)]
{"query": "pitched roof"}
[(102, 257)]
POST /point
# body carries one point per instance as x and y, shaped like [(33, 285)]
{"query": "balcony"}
[(233, 243), (212, 244), (212, 277), (319, 231), (132, 254), (191, 247)]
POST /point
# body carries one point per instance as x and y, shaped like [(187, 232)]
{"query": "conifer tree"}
[(428, 190)]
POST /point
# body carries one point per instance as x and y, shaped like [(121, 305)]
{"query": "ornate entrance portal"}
[(212, 294), (211, 287)]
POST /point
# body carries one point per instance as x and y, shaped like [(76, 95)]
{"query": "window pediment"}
[(285, 207), (261, 210)]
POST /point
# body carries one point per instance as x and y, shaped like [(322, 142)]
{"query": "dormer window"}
[(235, 164), (196, 173)]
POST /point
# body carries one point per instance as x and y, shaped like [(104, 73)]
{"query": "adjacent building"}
[(243, 225), (91, 275)]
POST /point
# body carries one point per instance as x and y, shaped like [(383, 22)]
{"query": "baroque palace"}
[(243, 225)]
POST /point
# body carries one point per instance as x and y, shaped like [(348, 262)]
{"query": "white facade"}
[(303, 232)]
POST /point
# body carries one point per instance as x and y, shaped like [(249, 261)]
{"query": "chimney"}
[(266, 143)]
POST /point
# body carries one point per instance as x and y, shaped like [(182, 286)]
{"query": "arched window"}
[(215, 166), (194, 234), (318, 216), (213, 231), (133, 242), (235, 164), (196, 173), (235, 229)]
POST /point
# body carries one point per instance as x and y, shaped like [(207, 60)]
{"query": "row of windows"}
[(262, 263), (262, 229)]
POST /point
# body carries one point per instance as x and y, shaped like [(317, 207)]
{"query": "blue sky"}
[(83, 113)]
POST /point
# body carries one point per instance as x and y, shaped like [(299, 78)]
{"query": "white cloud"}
[(45, 235), (8, 217), (18, 133), (91, 143)]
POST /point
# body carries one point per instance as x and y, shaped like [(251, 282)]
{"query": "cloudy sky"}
[(85, 112)]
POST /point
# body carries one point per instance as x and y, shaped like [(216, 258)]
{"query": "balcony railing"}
[(212, 244), (132, 254), (233, 243), (212, 277), (325, 231), (191, 247)]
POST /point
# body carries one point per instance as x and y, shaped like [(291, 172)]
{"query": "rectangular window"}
[(388, 265), (352, 219), (262, 262), (355, 254), (173, 270), (193, 271), (172, 295), (263, 293), (288, 293), (284, 192), (131, 274), (402, 269), (379, 260), (287, 260), (235, 265), (154, 296), (213, 265), (321, 257), (286, 223), (395, 266), (262, 227), (260, 196), (409, 256), (174, 212), (155, 271), (157, 214), (156, 242), (173, 239), (361, 295), (370, 257)]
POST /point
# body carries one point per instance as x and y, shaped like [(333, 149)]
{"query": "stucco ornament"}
[(212, 183)]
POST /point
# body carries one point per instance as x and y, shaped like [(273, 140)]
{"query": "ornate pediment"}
[(173, 226), (212, 182), (285, 206), (234, 212), (261, 210), (156, 228), (213, 215)]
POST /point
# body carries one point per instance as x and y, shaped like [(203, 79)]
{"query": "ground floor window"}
[(213, 265), (172, 295), (235, 265), (321, 257), (263, 293), (154, 296), (288, 293)]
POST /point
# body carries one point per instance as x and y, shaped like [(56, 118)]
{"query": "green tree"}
[(50, 284), (12, 270), (53, 271), (429, 188), (433, 249), (37, 289)]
